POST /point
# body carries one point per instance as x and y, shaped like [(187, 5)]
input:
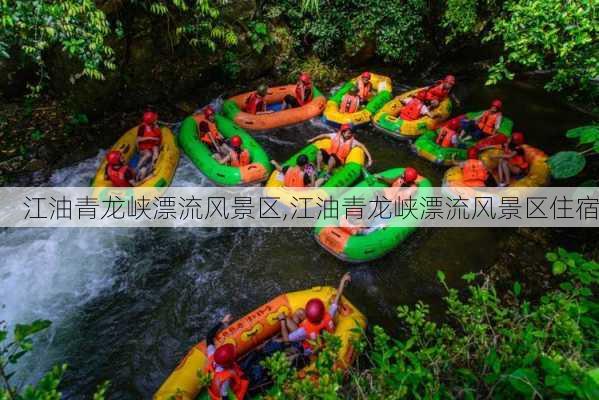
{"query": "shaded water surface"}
[(127, 304)]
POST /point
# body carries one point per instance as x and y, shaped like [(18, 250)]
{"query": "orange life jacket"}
[(238, 384), (149, 131), (212, 132), (445, 137), (340, 147), (487, 122), (364, 89), (411, 111), (314, 330), (254, 104), (437, 92), (349, 104), (300, 94), (239, 159), (474, 173), (118, 177), (294, 177)]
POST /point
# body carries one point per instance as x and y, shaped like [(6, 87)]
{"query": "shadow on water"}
[(127, 304)]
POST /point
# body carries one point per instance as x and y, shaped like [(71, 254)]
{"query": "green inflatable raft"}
[(426, 146), (221, 174), (351, 246)]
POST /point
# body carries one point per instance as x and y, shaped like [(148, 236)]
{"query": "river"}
[(127, 304)]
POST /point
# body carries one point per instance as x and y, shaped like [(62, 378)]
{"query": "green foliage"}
[(585, 135), (31, 27), (230, 65), (202, 25), (259, 36), (321, 381), (11, 351), (397, 30), (490, 346), (566, 164), (554, 35), (81, 30), (324, 74)]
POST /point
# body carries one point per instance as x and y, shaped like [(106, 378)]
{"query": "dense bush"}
[(556, 37), (491, 346), (344, 27), (28, 28)]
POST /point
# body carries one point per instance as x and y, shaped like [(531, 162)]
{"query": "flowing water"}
[(127, 304)]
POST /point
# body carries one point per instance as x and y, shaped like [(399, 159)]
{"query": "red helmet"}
[(208, 111), (344, 127), (305, 78), (365, 74), (225, 355), (518, 138), (315, 310), (236, 141), (410, 175), (150, 117), (497, 104), (113, 157), (473, 153), (450, 79)]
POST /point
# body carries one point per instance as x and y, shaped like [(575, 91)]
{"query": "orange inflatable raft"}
[(233, 109), (256, 328)]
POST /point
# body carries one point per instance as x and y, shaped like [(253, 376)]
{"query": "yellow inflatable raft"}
[(538, 169), (382, 87), (343, 176), (388, 120), (165, 165), (254, 329)]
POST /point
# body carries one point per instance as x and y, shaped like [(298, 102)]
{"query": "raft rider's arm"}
[(211, 335), (344, 281), (368, 155), (277, 166)]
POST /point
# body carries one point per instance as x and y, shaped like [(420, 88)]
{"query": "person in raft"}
[(318, 319), (439, 91), (474, 171), (342, 143), (227, 376), (209, 134), (303, 174), (235, 156), (255, 103), (350, 102), (415, 108), (303, 92), (486, 125), (448, 137), (149, 139), (364, 87), (118, 172), (512, 164)]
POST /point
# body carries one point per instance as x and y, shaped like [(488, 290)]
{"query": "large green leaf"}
[(524, 381), (589, 136), (566, 164), (596, 146), (23, 331), (578, 132)]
